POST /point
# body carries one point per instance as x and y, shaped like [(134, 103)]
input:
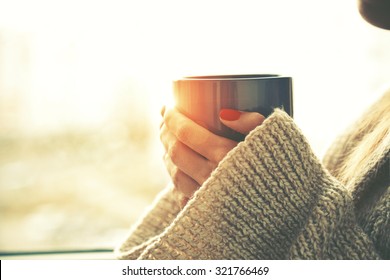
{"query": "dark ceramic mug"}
[(202, 97)]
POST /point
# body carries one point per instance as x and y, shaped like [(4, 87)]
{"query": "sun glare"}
[(82, 84)]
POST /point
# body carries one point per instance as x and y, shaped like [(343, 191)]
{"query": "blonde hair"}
[(372, 138)]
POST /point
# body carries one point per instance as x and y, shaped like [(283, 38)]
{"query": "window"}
[(82, 82)]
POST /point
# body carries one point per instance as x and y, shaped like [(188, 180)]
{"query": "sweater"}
[(272, 198)]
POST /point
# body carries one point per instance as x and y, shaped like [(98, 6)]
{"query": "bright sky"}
[(83, 56)]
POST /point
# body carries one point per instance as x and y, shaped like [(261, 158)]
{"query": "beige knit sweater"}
[(271, 198)]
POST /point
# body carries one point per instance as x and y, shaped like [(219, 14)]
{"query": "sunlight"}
[(79, 62), (82, 83)]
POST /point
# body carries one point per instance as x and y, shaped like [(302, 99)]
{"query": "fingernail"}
[(229, 114)]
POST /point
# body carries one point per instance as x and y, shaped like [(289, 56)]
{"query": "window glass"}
[(82, 83)]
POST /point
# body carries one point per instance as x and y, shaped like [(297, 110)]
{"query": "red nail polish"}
[(229, 114)]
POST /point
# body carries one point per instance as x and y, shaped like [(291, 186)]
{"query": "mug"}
[(201, 98)]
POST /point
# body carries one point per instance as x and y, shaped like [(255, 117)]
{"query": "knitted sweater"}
[(271, 198)]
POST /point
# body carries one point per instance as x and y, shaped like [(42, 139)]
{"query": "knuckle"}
[(219, 154), (163, 129), (211, 166), (174, 151), (184, 132), (165, 157), (176, 177), (168, 117), (222, 149), (203, 177), (206, 172)]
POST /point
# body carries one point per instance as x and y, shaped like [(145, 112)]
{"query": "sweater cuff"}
[(157, 217), (255, 204), (269, 198)]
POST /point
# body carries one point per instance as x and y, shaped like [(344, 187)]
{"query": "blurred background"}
[(82, 83)]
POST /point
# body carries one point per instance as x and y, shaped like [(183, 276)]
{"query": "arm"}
[(159, 215), (269, 198)]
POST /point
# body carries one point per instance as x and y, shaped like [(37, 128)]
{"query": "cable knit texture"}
[(270, 198)]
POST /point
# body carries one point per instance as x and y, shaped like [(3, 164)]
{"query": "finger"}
[(180, 198), (183, 202), (181, 181), (162, 111), (196, 137), (164, 136), (243, 122), (193, 164)]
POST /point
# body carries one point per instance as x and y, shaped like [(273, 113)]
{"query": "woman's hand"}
[(192, 152)]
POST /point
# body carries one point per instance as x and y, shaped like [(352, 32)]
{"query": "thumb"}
[(243, 122)]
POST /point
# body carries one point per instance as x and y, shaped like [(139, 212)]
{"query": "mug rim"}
[(233, 77)]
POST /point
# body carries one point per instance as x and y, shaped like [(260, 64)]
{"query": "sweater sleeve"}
[(338, 152), (270, 198), (159, 215)]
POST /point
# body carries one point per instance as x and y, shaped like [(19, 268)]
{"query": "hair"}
[(372, 139)]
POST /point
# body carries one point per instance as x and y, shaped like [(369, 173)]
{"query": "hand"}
[(192, 152)]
